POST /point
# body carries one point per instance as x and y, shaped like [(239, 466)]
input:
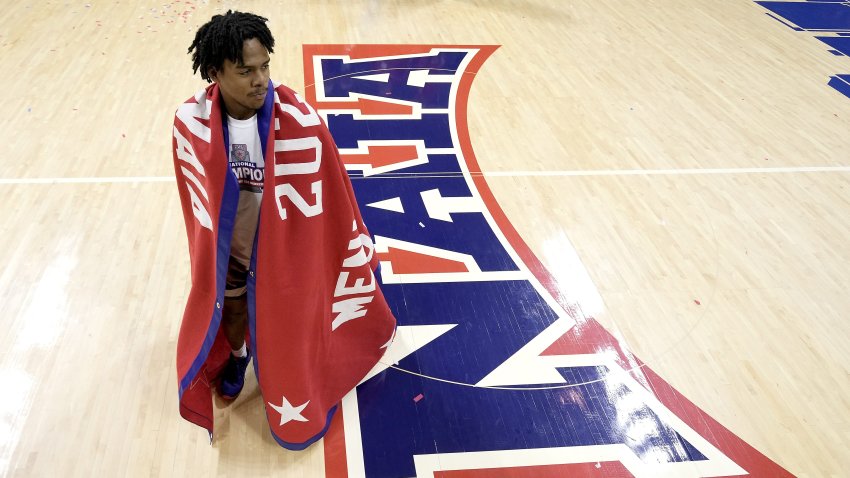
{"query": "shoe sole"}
[(228, 397)]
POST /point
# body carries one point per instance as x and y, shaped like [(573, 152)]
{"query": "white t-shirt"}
[(246, 162)]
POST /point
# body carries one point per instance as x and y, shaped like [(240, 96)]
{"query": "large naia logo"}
[(489, 375)]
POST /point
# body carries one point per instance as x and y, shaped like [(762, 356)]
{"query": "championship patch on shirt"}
[(248, 173)]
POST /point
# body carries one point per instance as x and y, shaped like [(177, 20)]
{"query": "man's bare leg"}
[(234, 319)]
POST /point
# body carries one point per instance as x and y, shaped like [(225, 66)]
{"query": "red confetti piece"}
[(697, 302), (418, 397)]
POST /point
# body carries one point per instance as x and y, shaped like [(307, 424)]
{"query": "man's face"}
[(243, 85)]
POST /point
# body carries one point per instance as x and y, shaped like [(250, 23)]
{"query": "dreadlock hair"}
[(222, 37)]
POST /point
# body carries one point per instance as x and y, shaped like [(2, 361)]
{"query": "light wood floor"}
[(95, 273)]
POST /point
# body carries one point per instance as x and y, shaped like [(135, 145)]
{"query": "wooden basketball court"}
[(680, 169)]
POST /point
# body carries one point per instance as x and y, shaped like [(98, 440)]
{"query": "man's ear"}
[(212, 73)]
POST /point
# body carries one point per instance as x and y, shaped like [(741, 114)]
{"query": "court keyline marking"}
[(551, 173)]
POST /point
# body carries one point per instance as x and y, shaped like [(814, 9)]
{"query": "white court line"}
[(589, 172), (94, 180), (673, 172)]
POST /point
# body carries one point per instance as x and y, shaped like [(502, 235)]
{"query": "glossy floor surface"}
[(679, 169)]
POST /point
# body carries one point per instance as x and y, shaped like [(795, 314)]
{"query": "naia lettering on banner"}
[(189, 114)]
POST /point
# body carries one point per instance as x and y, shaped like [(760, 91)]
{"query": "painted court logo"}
[(490, 375), (829, 20)]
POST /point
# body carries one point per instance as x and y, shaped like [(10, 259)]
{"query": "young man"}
[(281, 250), (233, 51)]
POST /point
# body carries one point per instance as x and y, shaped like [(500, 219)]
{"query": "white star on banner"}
[(288, 413)]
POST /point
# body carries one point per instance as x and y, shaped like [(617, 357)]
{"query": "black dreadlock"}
[(222, 37)]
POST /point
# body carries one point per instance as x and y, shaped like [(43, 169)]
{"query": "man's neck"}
[(239, 113), (242, 117), (235, 110)]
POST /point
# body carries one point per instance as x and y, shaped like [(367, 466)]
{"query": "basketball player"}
[(233, 50)]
